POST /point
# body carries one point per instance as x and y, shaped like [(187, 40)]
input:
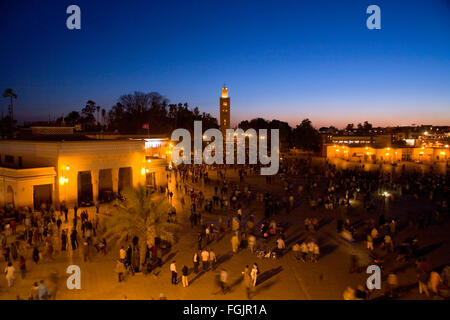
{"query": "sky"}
[(285, 60)]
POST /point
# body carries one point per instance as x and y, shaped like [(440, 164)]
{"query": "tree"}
[(88, 112), (98, 115), (10, 94), (73, 118), (103, 116), (349, 127), (89, 109), (140, 215), (306, 137), (367, 126)]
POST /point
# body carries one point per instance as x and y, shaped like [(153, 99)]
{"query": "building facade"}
[(388, 154), (33, 173)]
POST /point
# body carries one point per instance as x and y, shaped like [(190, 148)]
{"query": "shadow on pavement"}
[(268, 274)]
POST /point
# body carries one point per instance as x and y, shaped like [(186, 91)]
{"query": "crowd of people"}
[(250, 216)]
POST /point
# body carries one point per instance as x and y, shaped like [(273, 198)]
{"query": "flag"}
[(145, 126)]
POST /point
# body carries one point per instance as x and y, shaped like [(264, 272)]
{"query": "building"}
[(382, 140), (360, 153), (80, 171), (224, 111)]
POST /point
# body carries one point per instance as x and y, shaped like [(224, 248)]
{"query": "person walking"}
[(34, 294), (303, 251), (235, 243), (42, 291), (247, 280), (422, 277), (254, 274), (9, 274), (85, 249), (223, 281), (173, 269), (122, 254), (434, 282), (316, 252), (120, 270), (392, 281), (205, 259), (369, 242), (280, 246), (252, 243), (199, 240), (196, 260), (212, 259), (184, 276), (36, 255), (22, 267)]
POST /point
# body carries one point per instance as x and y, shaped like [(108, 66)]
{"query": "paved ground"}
[(285, 278)]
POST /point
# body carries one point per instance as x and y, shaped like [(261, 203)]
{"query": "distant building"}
[(382, 140), (368, 153), (224, 110)]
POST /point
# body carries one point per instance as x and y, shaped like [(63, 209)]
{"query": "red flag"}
[(145, 126)]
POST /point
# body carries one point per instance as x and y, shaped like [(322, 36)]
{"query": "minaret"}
[(224, 111)]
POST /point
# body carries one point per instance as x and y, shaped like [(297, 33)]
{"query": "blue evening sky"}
[(281, 59)]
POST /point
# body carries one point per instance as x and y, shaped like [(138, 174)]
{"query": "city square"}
[(281, 185)]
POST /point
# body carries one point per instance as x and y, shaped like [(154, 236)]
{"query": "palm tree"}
[(98, 115), (103, 116), (142, 215), (10, 94)]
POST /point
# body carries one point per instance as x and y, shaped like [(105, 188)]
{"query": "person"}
[(303, 251), (349, 294), (434, 282), (184, 276), (120, 270), (22, 266), (212, 259), (43, 291), (247, 280), (63, 240), (9, 274), (235, 243), (196, 261), (199, 240), (122, 254), (205, 259), (85, 250), (369, 242), (251, 242), (316, 252), (223, 280), (280, 245), (6, 251), (296, 250), (173, 269), (422, 277), (34, 294), (388, 243), (392, 281), (254, 274), (36, 255)]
